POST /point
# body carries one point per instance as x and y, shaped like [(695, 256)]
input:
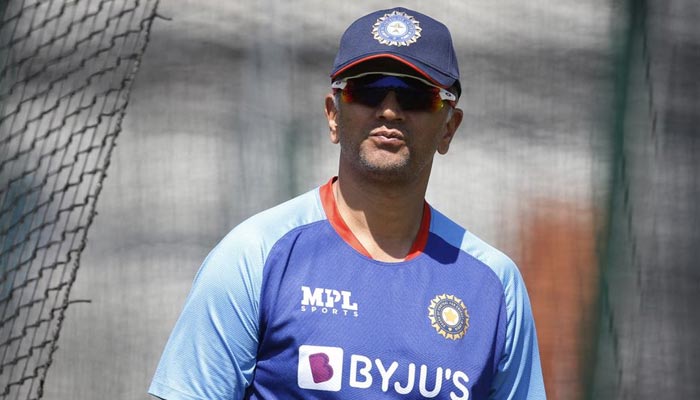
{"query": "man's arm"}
[(519, 373), (212, 348)]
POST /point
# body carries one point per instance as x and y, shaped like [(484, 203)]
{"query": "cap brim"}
[(389, 62)]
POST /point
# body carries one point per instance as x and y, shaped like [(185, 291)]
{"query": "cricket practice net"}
[(66, 69)]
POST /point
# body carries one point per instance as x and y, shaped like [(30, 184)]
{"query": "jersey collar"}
[(336, 220)]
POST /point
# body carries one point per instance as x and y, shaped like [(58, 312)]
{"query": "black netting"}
[(66, 72)]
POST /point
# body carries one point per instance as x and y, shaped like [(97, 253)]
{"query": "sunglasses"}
[(412, 94)]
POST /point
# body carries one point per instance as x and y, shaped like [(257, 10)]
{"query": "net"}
[(66, 69), (646, 346)]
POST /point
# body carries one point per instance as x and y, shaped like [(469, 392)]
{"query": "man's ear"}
[(450, 130), (331, 114)]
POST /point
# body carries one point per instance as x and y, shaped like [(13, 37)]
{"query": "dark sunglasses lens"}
[(370, 97), (409, 99), (418, 100)]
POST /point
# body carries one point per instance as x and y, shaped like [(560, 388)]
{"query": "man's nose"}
[(389, 108)]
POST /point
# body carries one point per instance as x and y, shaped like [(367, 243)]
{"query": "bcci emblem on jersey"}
[(396, 29), (448, 315)]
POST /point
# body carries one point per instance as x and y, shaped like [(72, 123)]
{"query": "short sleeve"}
[(212, 349), (519, 373)]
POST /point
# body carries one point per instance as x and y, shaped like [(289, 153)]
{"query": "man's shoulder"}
[(254, 237), (276, 221), (458, 236)]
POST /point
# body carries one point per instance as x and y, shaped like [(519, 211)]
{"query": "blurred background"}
[(135, 134)]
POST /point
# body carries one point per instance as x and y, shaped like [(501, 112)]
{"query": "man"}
[(359, 289)]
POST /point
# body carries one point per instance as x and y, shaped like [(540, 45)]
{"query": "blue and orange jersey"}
[(289, 305)]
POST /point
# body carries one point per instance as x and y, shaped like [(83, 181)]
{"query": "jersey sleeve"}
[(212, 349), (211, 353), (519, 372)]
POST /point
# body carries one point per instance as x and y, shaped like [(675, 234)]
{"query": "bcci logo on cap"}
[(320, 368), (396, 29)]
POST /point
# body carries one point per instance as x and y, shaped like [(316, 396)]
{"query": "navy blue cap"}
[(417, 41)]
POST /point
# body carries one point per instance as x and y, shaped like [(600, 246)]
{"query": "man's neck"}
[(384, 218)]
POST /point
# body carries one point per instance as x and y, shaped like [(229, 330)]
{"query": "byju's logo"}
[(320, 368)]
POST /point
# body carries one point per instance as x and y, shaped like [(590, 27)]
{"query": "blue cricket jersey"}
[(290, 306)]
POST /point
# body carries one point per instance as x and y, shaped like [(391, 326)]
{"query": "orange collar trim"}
[(336, 220)]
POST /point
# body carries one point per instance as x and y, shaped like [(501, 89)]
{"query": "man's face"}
[(386, 142)]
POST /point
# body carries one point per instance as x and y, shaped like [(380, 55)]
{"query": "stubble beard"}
[(376, 164), (380, 165)]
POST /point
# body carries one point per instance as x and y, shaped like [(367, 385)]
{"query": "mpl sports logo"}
[(328, 302), (321, 368)]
